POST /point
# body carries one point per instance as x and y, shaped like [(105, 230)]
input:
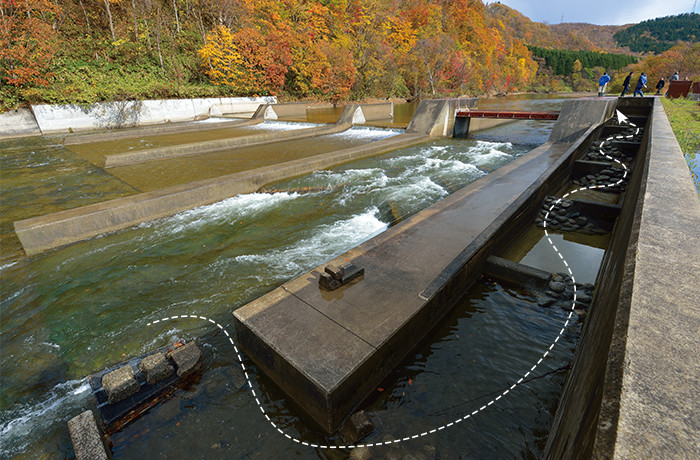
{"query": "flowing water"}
[(76, 310)]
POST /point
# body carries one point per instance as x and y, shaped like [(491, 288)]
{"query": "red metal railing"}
[(508, 114)]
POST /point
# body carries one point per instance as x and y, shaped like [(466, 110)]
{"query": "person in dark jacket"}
[(626, 84), (641, 83), (660, 86)]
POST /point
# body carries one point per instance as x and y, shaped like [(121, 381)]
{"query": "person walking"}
[(602, 83), (641, 83), (660, 86), (626, 84)]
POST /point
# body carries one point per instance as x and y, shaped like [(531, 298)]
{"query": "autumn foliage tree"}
[(27, 41)]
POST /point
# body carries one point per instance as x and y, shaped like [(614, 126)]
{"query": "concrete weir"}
[(329, 349), (158, 130), (50, 231), (353, 113)]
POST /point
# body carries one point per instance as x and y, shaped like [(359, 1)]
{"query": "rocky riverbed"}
[(563, 216)]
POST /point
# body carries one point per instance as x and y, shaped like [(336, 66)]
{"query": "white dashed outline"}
[(465, 417)]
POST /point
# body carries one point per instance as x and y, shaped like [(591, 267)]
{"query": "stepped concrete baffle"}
[(155, 367), (40, 233), (120, 384), (86, 437), (187, 359), (344, 123)]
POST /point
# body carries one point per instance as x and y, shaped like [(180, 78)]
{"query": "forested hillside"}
[(86, 50), (83, 51), (565, 36), (660, 34)]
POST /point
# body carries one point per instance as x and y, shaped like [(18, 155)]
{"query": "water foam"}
[(327, 242), (25, 424)]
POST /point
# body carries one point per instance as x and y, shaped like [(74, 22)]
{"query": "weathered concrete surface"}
[(465, 125), (140, 156), (86, 437), (293, 110), (328, 350), (632, 391), (18, 123), (374, 112), (436, 118), (257, 118), (659, 412), (53, 119), (57, 229), (577, 115)]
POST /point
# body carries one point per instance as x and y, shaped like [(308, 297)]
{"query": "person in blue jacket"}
[(641, 83), (602, 83)]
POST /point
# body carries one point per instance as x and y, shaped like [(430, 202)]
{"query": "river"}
[(76, 310)]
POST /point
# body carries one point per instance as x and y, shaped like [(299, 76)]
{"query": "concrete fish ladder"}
[(141, 156)]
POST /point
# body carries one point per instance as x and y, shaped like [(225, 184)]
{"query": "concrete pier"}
[(329, 350)]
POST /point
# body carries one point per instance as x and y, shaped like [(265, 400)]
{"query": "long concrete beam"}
[(65, 227), (257, 118), (57, 229), (329, 350), (141, 156)]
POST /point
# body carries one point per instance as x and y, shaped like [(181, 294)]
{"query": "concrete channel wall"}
[(632, 391), (18, 123), (329, 350), (54, 119)]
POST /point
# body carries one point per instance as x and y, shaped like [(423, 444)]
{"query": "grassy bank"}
[(684, 116)]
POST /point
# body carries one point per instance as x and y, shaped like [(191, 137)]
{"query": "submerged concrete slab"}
[(53, 230), (257, 118), (141, 156)]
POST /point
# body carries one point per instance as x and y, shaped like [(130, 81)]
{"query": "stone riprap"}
[(608, 177), (560, 293), (563, 216), (187, 359), (155, 367), (120, 384)]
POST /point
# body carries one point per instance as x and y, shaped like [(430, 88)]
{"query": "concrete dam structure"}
[(330, 337), (328, 349)]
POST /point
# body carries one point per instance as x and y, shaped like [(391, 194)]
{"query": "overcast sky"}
[(601, 12)]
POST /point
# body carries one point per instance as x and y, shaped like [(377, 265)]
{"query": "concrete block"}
[(187, 359), (18, 123), (356, 427), (120, 384), (155, 367), (327, 282), (86, 437), (335, 271)]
